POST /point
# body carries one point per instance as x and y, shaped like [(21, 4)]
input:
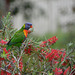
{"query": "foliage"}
[(64, 38), (7, 27), (34, 57)]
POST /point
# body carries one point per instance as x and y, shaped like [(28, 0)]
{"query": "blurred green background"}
[(49, 18)]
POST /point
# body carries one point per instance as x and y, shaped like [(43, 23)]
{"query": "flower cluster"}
[(54, 54), (49, 41), (28, 49), (10, 61), (57, 59), (58, 71), (3, 42)]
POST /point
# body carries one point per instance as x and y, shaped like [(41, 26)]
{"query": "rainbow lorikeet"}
[(20, 36)]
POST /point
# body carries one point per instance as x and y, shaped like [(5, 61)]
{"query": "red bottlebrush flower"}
[(16, 73), (28, 50), (21, 64), (5, 73), (66, 61), (44, 51), (54, 54), (49, 41), (1, 59), (13, 60), (2, 72), (50, 56), (43, 44), (8, 73), (58, 71), (3, 42), (5, 50), (66, 71), (52, 40), (9, 66)]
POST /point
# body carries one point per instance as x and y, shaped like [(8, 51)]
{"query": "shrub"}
[(34, 57)]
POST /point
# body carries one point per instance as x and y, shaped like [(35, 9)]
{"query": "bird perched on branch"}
[(20, 36)]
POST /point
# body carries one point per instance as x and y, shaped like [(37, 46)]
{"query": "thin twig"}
[(14, 56), (72, 71), (5, 70)]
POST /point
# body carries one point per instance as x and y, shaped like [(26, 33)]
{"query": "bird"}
[(20, 36)]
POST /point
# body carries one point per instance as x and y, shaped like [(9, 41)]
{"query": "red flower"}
[(28, 50), (5, 73), (67, 71), (13, 60), (9, 66), (52, 40), (63, 54), (3, 42), (49, 41), (58, 71), (54, 54), (1, 59), (16, 73), (43, 44), (21, 64), (66, 61)]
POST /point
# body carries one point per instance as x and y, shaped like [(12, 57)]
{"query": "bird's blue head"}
[(28, 26)]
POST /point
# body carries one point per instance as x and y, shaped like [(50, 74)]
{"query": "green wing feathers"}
[(16, 40)]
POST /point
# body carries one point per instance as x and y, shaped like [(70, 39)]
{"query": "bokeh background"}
[(49, 18)]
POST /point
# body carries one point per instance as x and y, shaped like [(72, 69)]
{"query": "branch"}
[(5, 70)]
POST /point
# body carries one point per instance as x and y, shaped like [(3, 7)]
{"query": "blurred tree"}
[(73, 7), (26, 7), (2, 10), (7, 4), (22, 6)]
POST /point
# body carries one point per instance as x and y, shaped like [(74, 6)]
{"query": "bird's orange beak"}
[(31, 26)]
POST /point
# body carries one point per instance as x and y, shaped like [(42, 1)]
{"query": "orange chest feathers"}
[(25, 33)]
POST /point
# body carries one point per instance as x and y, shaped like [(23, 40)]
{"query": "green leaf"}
[(70, 44), (49, 73), (3, 55)]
